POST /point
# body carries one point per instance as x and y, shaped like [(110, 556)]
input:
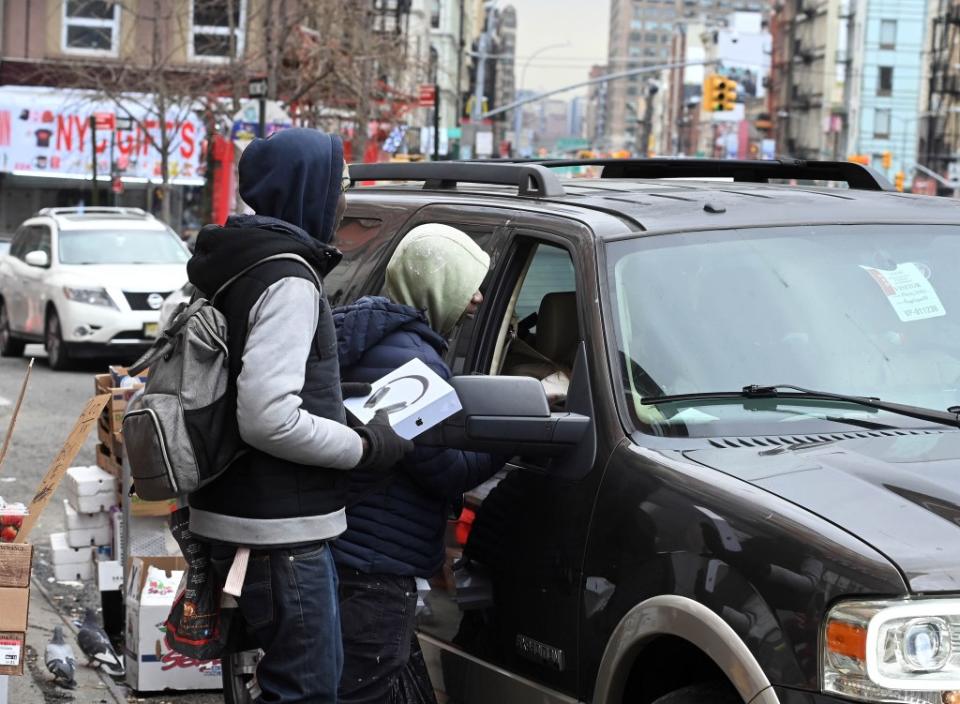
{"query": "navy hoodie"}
[(399, 529), (291, 487)]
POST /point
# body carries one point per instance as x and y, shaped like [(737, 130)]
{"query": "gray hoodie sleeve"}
[(283, 323)]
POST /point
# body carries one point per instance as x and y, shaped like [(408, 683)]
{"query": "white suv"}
[(88, 282)]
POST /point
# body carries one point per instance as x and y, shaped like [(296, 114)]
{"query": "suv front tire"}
[(9, 345), (57, 357)]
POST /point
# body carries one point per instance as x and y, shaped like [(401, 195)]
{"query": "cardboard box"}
[(119, 373), (15, 562), (12, 652), (109, 461), (112, 442), (151, 666), (112, 417), (16, 604), (141, 509), (415, 397)]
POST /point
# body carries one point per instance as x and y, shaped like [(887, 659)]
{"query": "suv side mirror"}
[(507, 415), (38, 258)]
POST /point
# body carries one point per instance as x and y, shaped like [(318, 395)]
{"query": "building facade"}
[(651, 33), (939, 139), (886, 64), (809, 69)]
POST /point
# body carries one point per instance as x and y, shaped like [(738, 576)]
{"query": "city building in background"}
[(811, 57), (644, 33), (939, 139), (886, 64)]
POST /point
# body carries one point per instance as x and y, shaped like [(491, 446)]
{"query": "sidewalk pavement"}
[(36, 684)]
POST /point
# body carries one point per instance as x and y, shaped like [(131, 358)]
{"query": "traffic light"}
[(719, 93), (887, 159), (862, 159), (728, 91), (898, 180)]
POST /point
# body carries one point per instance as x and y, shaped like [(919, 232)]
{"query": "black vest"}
[(259, 485)]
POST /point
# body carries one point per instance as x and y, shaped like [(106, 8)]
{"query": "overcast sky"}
[(582, 24)]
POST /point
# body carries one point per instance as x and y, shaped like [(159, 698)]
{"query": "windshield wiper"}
[(951, 416)]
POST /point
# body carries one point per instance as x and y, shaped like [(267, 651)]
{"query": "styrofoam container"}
[(74, 572), (85, 521), (62, 553), (85, 537), (94, 503), (90, 489)]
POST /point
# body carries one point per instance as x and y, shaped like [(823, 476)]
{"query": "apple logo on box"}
[(419, 421)]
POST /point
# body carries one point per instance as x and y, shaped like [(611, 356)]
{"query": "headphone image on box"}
[(400, 405)]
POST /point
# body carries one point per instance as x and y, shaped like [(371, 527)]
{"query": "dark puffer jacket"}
[(399, 529)]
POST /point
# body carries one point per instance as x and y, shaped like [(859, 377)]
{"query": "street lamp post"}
[(518, 113)]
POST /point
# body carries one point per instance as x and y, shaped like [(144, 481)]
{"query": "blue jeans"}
[(383, 661), (289, 603)]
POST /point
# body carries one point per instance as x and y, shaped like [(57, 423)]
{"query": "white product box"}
[(84, 521), (151, 665), (90, 489), (109, 576), (414, 396)]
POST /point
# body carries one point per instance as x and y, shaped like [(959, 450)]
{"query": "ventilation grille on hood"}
[(768, 441)]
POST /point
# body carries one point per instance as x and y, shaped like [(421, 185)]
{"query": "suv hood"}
[(899, 493), (143, 278)]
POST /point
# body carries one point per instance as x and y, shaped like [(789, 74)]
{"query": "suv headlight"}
[(894, 651), (93, 296)]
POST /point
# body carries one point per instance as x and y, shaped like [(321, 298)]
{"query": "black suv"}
[(732, 403)]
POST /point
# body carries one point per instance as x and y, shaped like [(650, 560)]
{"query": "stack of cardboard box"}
[(15, 562)]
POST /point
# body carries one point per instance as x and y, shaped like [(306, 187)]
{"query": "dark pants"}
[(382, 661), (289, 604)]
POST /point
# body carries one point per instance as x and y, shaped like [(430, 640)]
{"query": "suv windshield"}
[(867, 310), (121, 247)]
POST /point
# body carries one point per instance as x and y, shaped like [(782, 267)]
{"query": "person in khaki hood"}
[(395, 526)]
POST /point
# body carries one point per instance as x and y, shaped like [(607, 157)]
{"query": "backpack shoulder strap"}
[(275, 257)]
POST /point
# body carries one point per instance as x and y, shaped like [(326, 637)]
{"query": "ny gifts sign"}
[(46, 132)]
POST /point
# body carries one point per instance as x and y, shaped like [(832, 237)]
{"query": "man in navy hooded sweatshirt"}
[(284, 499)]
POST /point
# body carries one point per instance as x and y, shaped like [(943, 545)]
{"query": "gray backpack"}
[(181, 433)]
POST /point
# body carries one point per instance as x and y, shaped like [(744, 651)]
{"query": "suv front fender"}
[(681, 617)]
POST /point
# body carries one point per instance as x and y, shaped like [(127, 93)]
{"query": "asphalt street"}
[(52, 404)]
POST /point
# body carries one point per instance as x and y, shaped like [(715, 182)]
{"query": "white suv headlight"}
[(894, 651), (93, 296)]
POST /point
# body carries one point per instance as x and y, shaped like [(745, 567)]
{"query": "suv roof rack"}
[(855, 176), (532, 180), (93, 209)]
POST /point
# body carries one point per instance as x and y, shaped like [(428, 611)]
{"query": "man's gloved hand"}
[(354, 389), (383, 447)]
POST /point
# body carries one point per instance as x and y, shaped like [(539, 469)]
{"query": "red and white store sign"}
[(47, 132)]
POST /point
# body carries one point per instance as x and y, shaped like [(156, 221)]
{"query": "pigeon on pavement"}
[(97, 647), (60, 660)]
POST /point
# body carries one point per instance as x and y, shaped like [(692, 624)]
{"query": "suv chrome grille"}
[(138, 301)]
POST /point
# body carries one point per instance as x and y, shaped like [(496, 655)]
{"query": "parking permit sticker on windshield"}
[(909, 292)]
